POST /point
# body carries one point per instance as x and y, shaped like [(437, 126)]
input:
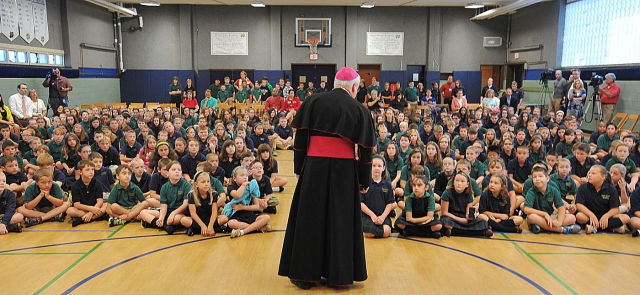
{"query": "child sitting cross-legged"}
[(88, 204), (43, 200)]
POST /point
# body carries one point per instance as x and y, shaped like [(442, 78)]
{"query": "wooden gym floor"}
[(54, 258)]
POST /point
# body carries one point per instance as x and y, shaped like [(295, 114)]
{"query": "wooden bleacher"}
[(629, 122), (618, 119), (136, 105)]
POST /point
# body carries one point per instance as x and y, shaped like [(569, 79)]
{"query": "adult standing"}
[(446, 91), (188, 88), (489, 86), (609, 96), (175, 91), (435, 92), (21, 106), (59, 87), (333, 161), (558, 89)]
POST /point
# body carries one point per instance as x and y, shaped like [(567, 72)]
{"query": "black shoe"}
[(189, 232), (488, 232), (436, 235), (16, 228), (303, 285), (392, 214), (635, 232), (225, 229), (75, 221), (270, 209), (446, 232), (282, 189), (398, 230), (169, 229), (33, 221), (338, 287), (58, 218)]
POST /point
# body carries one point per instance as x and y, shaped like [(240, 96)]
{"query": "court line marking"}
[(87, 279), (570, 253), (562, 245), (70, 267), (80, 242), (549, 272), (68, 231), (531, 282), (41, 253)]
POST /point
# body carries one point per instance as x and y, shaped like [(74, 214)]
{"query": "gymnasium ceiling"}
[(331, 2)]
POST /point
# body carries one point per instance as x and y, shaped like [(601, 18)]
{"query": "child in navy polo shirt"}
[(158, 179), (203, 209), (519, 168), (180, 146), (131, 149), (191, 160), (16, 181), (218, 172), (634, 213), (622, 157), (259, 136), (378, 202), (598, 204), (495, 205), (102, 174), (10, 220), (242, 133), (285, 134), (581, 162), (140, 177), (110, 156), (539, 206), (215, 183), (268, 201), (88, 204)]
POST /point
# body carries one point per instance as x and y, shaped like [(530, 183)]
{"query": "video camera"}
[(596, 80), (52, 74), (546, 75)]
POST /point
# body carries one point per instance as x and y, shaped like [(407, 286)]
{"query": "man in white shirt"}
[(20, 105)]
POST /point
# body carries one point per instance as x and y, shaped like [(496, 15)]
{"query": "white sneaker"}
[(619, 230), (590, 229), (265, 229), (235, 233)]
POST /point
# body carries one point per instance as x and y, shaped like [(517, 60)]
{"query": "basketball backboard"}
[(313, 28)]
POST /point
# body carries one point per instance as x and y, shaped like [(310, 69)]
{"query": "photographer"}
[(59, 88), (609, 96)]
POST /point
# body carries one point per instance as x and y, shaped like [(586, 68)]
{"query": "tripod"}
[(597, 106), (544, 95)]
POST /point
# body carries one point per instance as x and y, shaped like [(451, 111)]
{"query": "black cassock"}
[(324, 233)]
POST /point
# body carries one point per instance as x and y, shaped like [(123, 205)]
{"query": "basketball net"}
[(313, 48)]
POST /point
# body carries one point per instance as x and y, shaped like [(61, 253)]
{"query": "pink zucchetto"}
[(346, 74)]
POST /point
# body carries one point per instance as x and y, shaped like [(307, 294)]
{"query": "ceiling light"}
[(150, 3), (258, 4), (367, 5), (474, 5)]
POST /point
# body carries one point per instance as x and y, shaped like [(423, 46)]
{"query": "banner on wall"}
[(9, 18), (229, 43), (40, 24), (385, 43), (25, 17)]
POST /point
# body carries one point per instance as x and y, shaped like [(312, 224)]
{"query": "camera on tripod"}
[(546, 75), (596, 80)]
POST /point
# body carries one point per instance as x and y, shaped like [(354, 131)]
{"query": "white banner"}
[(25, 17), (40, 24), (229, 43), (9, 18), (385, 43)]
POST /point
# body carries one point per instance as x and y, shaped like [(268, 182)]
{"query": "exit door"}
[(315, 73), (369, 71)]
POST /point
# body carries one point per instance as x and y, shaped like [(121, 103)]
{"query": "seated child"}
[(173, 202), (581, 162), (57, 144), (34, 142), (43, 200), (126, 200), (495, 205), (478, 169), (617, 172), (10, 149), (443, 177), (110, 156), (216, 185), (218, 172), (377, 202), (598, 204), (519, 168), (420, 218), (268, 201), (10, 220), (17, 181), (88, 204), (622, 157), (565, 184), (191, 160), (140, 177), (634, 213), (496, 166), (45, 161), (158, 179), (32, 166), (456, 202), (239, 212), (102, 174), (271, 168), (131, 148), (203, 209), (539, 206)]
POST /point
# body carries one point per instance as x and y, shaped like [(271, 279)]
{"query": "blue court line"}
[(81, 242), (531, 282), (68, 231), (87, 279), (561, 245)]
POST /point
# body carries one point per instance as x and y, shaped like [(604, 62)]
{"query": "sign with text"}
[(229, 43), (385, 43)]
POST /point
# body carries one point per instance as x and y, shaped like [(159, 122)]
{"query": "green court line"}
[(47, 285), (41, 253), (543, 267), (570, 253)]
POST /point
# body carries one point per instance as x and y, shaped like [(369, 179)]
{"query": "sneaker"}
[(392, 214), (270, 209), (590, 229), (534, 228), (169, 229), (574, 229), (225, 229), (518, 230), (58, 218), (32, 221), (446, 232), (265, 229), (619, 230), (144, 223), (235, 233), (436, 235), (75, 221), (635, 232), (275, 153), (189, 232), (16, 228), (488, 232), (281, 189), (113, 221)]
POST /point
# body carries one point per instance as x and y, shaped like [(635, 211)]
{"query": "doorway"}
[(415, 73), (489, 71), (515, 72), (368, 71), (315, 73)]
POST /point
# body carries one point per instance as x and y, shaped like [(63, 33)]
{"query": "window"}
[(597, 32), (22, 57), (59, 60), (3, 55)]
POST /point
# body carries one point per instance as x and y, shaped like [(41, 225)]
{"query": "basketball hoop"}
[(313, 48)]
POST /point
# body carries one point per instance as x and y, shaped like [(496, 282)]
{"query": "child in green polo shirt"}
[(10, 149), (43, 200), (622, 157), (478, 169), (539, 206), (173, 202), (566, 184), (223, 95), (56, 145), (126, 200)]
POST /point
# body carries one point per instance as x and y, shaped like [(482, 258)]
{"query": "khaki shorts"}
[(44, 209), (130, 208)]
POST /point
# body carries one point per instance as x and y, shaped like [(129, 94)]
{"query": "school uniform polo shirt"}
[(7, 206), (156, 182), (383, 144), (33, 191), (259, 139), (86, 194), (581, 170), (378, 196), (172, 139), (105, 176), (417, 206), (566, 185), (126, 197), (528, 184), (55, 150), (563, 149), (264, 184), (635, 203), (628, 163), (131, 151), (462, 150), (457, 142), (189, 163), (219, 174), (474, 187), (538, 156), (599, 202), (216, 185), (284, 132), (242, 95), (520, 173), (487, 179), (143, 183), (17, 178), (477, 169), (223, 95), (204, 210), (604, 142), (28, 155), (543, 202), (110, 157), (173, 195), (494, 204), (405, 174)]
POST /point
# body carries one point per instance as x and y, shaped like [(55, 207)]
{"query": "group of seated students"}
[(212, 172), (472, 173)]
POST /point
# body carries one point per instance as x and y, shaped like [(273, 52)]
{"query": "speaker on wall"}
[(492, 41)]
